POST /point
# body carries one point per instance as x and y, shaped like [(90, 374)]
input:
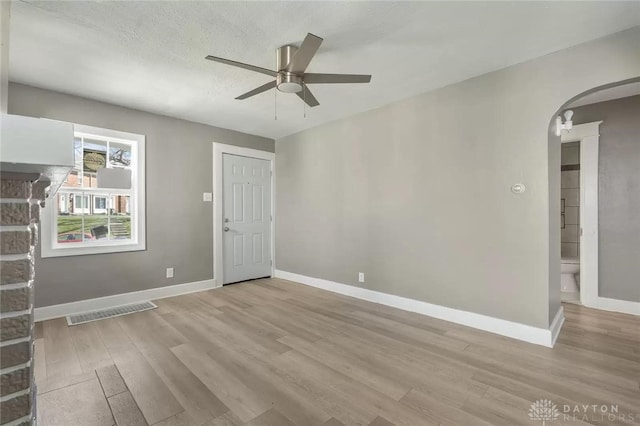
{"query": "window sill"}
[(46, 252)]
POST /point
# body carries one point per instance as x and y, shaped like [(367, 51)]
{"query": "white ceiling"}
[(150, 55), (617, 92)]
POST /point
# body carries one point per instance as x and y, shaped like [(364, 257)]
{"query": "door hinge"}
[(272, 263)]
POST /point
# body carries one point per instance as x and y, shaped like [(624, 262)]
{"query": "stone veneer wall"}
[(20, 195)]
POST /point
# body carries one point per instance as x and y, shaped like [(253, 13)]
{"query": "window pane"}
[(94, 157), (120, 217), (119, 155), (70, 212), (96, 226), (74, 179), (96, 219)]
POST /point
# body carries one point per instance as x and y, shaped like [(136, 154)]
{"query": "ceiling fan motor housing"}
[(286, 81)]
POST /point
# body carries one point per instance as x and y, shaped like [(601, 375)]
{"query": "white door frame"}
[(588, 135), (218, 214)]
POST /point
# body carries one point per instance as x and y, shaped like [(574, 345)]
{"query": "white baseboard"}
[(527, 333), (614, 305), (556, 325), (62, 310)]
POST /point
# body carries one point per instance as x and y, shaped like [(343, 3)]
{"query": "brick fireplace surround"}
[(20, 197)]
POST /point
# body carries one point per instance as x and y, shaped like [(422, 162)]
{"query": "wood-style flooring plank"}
[(228, 419), (38, 330), (277, 317), (271, 417), (431, 405), (200, 403), (259, 373), (125, 410), (381, 421), (333, 422), (342, 361), (245, 402), (369, 400), (61, 357), (62, 381), (80, 404), (259, 332), (39, 361), (92, 353), (113, 336), (111, 381), (181, 419), (151, 394)]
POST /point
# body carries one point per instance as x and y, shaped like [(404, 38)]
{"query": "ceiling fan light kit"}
[(287, 82), (290, 77)]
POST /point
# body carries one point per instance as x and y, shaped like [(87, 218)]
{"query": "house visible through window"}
[(100, 206)]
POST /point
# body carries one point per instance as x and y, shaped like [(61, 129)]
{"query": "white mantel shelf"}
[(36, 146)]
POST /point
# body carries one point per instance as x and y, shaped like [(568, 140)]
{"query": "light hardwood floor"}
[(272, 352)]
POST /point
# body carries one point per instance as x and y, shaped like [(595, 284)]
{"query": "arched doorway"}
[(595, 290)]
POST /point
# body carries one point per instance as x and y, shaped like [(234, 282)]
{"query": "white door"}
[(247, 218)]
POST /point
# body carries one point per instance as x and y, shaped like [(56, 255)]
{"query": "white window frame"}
[(50, 247)]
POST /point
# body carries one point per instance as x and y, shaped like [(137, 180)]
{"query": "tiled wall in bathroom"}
[(570, 194)]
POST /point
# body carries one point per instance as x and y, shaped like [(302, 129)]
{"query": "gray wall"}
[(618, 195), (179, 224), (417, 196)]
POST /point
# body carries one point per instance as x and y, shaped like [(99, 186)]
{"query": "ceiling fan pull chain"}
[(304, 103), (275, 105)]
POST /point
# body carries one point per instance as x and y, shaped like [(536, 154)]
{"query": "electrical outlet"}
[(169, 272), (361, 277), (207, 196)]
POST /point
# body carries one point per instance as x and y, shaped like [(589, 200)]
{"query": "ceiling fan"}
[(291, 62)]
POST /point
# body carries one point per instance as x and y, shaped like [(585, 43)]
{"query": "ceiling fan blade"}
[(335, 78), (263, 88), (306, 95), (304, 54), (241, 65)]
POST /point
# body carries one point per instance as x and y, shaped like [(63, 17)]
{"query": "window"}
[(100, 204), (100, 208)]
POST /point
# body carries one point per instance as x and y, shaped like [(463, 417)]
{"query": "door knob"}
[(226, 229)]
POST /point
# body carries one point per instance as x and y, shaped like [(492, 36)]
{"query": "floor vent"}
[(109, 313)]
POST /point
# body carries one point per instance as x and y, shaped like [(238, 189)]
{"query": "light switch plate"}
[(207, 196)]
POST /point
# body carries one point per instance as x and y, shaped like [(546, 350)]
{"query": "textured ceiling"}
[(150, 55)]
